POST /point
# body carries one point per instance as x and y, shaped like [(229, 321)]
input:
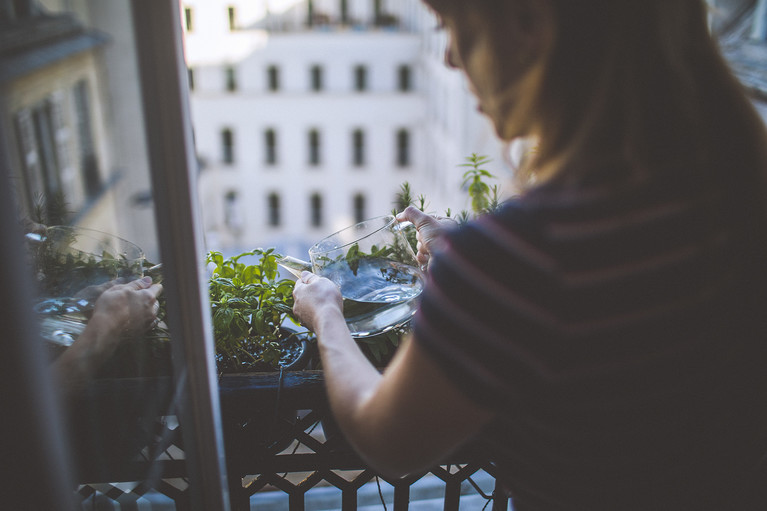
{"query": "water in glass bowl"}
[(378, 294)]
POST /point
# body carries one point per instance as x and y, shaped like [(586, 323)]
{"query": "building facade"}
[(309, 116), (72, 128)]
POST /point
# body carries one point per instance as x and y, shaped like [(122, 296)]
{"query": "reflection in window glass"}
[(77, 161), (91, 175)]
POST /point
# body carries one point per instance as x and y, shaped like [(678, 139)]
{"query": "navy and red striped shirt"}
[(618, 331)]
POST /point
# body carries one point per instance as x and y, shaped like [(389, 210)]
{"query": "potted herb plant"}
[(252, 309)]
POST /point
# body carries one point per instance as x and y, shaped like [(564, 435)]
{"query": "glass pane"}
[(79, 164)]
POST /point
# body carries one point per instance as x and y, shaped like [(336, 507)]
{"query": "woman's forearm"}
[(350, 378)]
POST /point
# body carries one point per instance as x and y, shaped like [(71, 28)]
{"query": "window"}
[(316, 78), (314, 147), (358, 148), (403, 148), (190, 78), (273, 215), (232, 217), (89, 165), (270, 147), (404, 78), (315, 205), (73, 136), (359, 208), (188, 19), (232, 14), (273, 78), (227, 146), (360, 78), (41, 177), (344, 8), (310, 13), (230, 74)]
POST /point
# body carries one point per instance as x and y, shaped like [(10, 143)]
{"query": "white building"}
[(71, 118), (309, 115)]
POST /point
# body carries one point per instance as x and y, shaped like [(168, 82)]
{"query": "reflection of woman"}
[(605, 330), (121, 310)]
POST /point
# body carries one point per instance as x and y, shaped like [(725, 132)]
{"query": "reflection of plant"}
[(63, 271), (249, 306)]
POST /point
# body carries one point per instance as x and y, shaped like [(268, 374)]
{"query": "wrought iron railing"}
[(279, 437)]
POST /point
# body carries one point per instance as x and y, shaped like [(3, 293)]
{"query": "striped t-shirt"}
[(619, 332)]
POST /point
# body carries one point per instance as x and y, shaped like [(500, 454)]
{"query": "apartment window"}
[(360, 78), (232, 217), (316, 78), (314, 147), (230, 74), (359, 208), (89, 166), (188, 19), (403, 148), (404, 78), (190, 77), (270, 146), (232, 15), (227, 146), (315, 206), (344, 8), (273, 78), (358, 148), (36, 133), (273, 213)]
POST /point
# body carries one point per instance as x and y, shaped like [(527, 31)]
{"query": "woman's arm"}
[(402, 421), (121, 310)]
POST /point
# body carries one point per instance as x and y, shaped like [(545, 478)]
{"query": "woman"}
[(603, 332)]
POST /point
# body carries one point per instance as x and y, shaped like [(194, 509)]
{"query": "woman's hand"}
[(315, 298), (128, 309), (430, 231), (121, 310)]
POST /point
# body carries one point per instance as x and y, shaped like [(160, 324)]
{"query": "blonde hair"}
[(642, 81)]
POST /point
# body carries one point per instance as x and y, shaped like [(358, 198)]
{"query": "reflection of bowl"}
[(69, 259), (72, 264)]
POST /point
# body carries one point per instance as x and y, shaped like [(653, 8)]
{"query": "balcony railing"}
[(270, 423)]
